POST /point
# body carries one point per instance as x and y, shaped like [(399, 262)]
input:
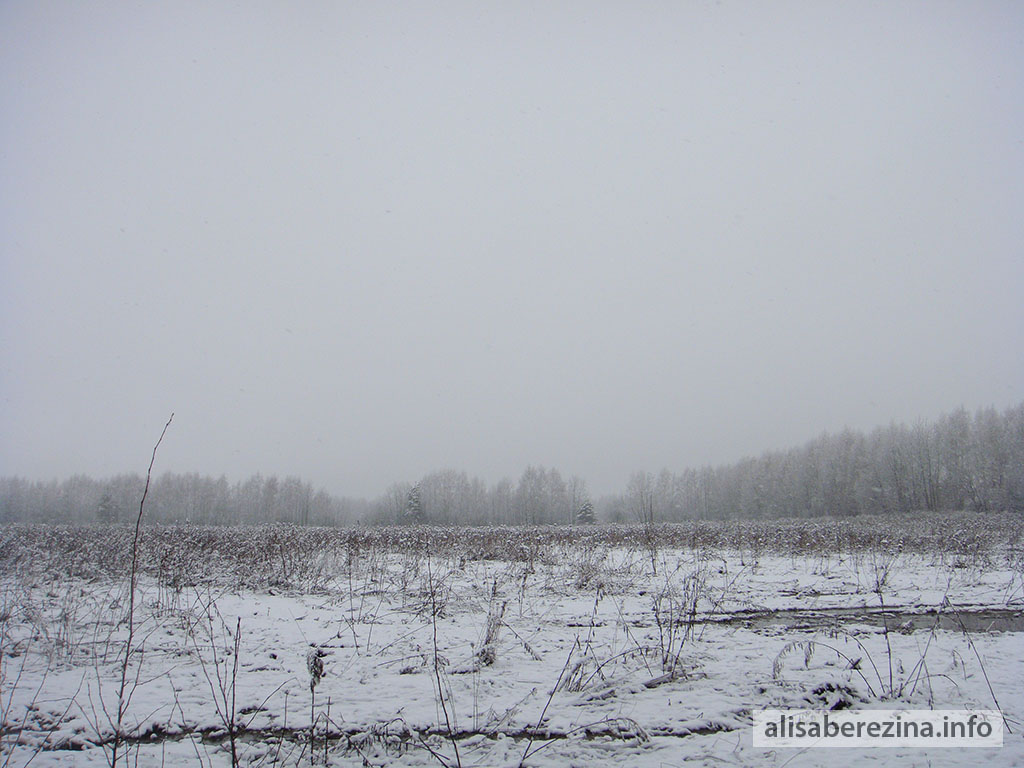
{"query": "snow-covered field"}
[(586, 651)]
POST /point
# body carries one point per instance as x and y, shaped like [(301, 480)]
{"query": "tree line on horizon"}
[(961, 461)]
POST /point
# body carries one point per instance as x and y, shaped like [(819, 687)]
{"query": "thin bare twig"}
[(124, 695)]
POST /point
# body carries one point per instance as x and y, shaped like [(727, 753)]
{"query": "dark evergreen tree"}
[(585, 515)]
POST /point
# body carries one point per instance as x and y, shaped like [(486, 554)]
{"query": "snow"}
[(585, 670)]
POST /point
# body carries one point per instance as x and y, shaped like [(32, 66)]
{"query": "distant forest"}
[(959, 462)]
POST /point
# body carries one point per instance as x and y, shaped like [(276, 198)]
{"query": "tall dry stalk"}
[(437, 665), (124, 692)]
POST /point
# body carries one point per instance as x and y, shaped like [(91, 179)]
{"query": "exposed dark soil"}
[(896, 618)]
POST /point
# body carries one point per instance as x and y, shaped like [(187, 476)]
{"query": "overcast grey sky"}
[(360, 241)]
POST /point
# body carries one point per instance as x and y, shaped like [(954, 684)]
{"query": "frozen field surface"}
[(568, 654)]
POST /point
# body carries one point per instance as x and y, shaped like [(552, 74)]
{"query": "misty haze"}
[(508, 384)]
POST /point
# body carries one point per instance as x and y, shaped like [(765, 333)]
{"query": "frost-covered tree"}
[(413, 506), (575, 495), (640, 493), (107, 512)]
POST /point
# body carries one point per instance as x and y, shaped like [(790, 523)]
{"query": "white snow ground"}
[(597, 660)]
